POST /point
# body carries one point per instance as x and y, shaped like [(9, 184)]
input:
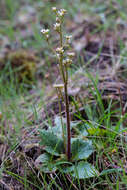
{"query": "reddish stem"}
[(68, 123)]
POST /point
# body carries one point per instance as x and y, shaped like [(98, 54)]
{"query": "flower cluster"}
[(61, 52), (67, 62), (61, 12), (45, 32), (59, 16)]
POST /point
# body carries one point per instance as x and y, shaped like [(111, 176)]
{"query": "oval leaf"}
[(81, 149), (52, 144), (45, 164), (84, 170)]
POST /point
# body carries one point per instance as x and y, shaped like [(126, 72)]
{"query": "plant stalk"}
[(68, 149), (65, 80), (60, 111)]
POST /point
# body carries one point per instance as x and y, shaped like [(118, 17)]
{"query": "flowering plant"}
[(65, 59), (62, 152)]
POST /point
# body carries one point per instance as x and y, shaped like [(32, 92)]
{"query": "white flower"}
[(57, 19), (68, 39), (71, 54), (57, 27), (47, 36), (61, 12), (54, 9), (64, 61), (58, 55), (67, 61), (45, 31), (60, 50)]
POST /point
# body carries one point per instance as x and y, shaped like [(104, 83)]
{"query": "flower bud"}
[(54, 9), (47, 36), (58, 55), (57, 20)]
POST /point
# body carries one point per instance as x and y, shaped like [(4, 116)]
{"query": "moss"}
[(23, 64)]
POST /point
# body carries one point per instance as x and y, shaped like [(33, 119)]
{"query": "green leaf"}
[(57, 129), (43, 158), (81, 129), (45, 164), (67, 169), (83, 170), (52, 144), (96, 131), (81, 149), (109, 171)]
